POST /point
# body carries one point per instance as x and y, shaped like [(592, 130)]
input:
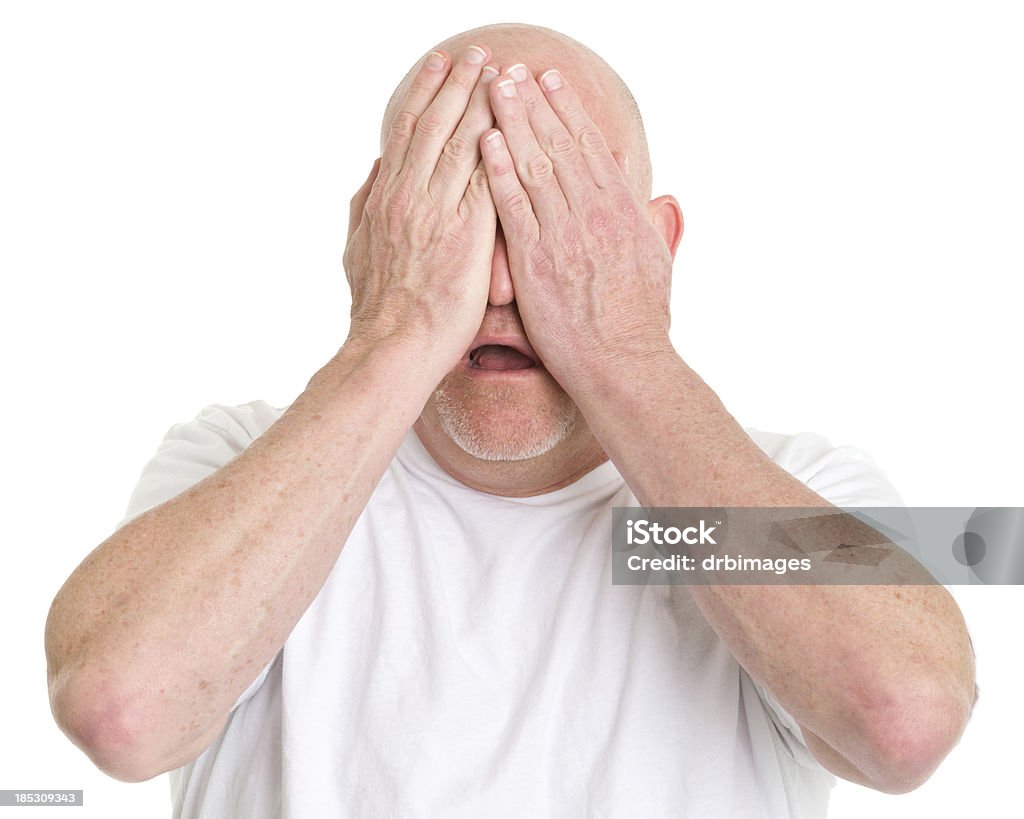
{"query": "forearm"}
[(881, 676), (161, 628)]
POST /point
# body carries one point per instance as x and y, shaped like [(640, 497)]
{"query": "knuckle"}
[(516, 204), (424, 84), (537, 168), (591, 140), (533, 102), (559, 143), (478, 181), (569, 112), (400, 200), (404, 124), (514, 119), (463, 80), (502, 170), (429, 124), (458, 148)]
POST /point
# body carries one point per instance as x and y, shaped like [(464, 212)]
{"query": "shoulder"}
[(844, 475)]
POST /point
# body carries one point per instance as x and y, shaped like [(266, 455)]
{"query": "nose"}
[(501, 292)]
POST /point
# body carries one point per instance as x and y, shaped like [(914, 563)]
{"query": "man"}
[(394, 598)]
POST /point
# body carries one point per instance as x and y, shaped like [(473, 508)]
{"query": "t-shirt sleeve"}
[(190, 452), (844, 475)]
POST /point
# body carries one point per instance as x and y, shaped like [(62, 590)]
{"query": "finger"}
[(514, 206), (437, 124), (461, 154), (477, 205), (533, 167), (592, 145), (355, 210), (428, 81), (571, 169)]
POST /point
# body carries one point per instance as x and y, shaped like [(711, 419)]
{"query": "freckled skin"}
[(238, 558)]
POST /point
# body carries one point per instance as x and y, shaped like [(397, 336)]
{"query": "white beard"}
[(532, 431)]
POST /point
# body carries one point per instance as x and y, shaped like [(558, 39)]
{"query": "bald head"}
[(604, 94)]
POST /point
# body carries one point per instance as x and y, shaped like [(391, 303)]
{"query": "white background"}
[(173, 204)]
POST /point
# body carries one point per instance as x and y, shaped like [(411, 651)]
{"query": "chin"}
[(504, 422)]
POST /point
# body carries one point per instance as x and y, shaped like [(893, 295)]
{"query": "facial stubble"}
[(504, 421)]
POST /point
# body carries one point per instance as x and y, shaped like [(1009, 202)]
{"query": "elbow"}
[(910, 737), (101, 727)]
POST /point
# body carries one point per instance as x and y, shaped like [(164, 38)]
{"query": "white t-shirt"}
[(468, 656)]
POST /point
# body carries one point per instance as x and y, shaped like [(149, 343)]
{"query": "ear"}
[(668, 219)]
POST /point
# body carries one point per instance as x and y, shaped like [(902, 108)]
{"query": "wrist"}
[(398, 365), (622, 364)]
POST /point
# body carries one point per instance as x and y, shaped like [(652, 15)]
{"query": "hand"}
[(590, 270), (422, 227)]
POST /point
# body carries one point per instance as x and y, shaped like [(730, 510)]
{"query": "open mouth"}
[(499, 357)]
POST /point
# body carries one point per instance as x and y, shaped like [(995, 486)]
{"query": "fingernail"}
[(494, 138), (507, 88), (488, 74), (435, 61), (518, 72), (475, 55), (551, 80)]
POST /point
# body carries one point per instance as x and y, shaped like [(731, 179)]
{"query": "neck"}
[(566, 463)]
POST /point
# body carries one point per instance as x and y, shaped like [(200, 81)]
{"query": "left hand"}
[(590, 270)]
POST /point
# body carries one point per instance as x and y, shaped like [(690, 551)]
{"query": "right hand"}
[(422, 227)]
